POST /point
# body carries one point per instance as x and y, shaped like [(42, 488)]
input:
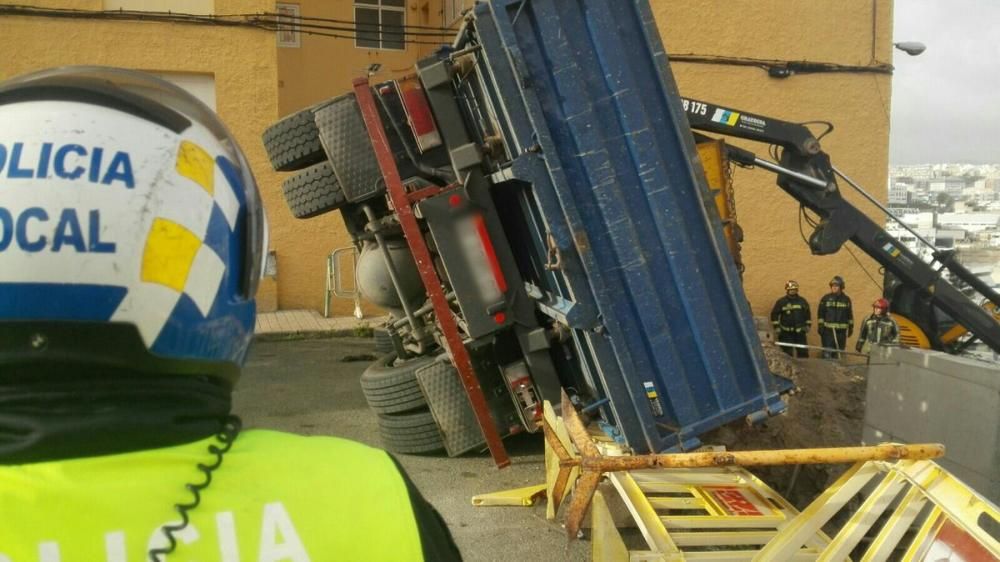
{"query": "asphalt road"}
[(306, 387)]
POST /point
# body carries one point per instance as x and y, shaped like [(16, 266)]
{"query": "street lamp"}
[(912, 48)]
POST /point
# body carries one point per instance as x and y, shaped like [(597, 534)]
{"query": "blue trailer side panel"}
[(622, 192)]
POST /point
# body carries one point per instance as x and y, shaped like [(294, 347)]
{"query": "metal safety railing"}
[(335, 280), (826, 350)]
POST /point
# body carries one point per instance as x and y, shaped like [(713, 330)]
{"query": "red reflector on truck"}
[(418, 114), (491, 255)]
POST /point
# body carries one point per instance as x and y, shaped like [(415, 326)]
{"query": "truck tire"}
[(403, 401), (313, 191), (293, 143), (390, 388), (410, 433), (383, 341), (414, 446), (402, 424)]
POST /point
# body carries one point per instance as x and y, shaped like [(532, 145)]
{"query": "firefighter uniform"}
[(835, 318), (792, 320), (275, 496), (877, 329)]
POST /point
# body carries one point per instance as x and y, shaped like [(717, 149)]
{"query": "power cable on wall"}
[(777, 68), (278, 22), (266, 22), (443, 30), (385, 29), (183, 17)]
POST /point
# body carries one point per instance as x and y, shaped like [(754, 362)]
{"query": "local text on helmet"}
[(23, 230)]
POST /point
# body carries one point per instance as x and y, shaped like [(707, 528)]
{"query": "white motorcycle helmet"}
[(131, 229)]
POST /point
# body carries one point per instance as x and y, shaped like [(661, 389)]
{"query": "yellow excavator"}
[(932, 313)]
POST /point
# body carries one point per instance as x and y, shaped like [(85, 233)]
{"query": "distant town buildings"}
[(946, 188), (899, 191), (950, 206)]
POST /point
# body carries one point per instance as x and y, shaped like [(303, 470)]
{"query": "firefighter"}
[(127, 290), (878, 328), (792, 320), (835, 318)]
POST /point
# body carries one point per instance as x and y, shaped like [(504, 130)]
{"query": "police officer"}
[(835, 318), (878, 328), (118, 357), (792, 320)]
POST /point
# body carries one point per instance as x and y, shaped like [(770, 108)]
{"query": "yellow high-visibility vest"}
[(277, 497)]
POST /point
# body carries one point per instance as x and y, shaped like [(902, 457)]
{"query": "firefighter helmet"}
[(791, 286), (838, 280), (131, 230), (881, 304)]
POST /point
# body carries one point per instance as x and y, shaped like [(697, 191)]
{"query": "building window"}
[(379, 24), (288, 25)]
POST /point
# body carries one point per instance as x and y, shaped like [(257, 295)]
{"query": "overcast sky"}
[(946, 102)]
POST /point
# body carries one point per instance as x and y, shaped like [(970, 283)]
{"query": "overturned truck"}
[(529, 212), (530, 208)]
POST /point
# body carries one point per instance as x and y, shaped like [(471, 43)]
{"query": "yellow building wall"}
[(243, 62), (851, 32)]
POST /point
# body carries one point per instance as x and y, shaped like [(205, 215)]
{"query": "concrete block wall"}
[(926, 396)]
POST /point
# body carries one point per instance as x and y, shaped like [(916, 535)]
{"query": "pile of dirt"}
[(826, 410)]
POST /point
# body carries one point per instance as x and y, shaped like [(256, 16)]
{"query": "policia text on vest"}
[(262, 505)]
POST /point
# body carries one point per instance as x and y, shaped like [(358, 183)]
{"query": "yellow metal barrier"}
[(524, 497), (904, 510), (907, 509), (899, 506)]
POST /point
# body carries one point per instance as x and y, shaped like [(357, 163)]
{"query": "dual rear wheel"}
[(393, 394)]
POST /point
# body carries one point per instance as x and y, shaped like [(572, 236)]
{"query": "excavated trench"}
[(826, 410)]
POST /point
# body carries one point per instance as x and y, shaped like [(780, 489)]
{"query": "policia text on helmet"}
[(131, 243)]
